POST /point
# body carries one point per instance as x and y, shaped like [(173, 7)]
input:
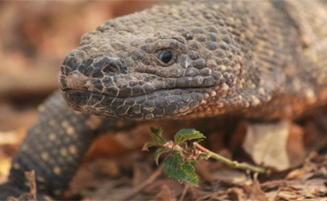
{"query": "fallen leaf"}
[(296, 174), (256, 192), (266, 143), (236, 194), (295, 145), (271, 196)]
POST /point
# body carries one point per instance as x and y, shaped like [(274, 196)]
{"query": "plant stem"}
[(233, 164)]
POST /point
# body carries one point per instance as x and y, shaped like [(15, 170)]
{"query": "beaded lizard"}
[(261, 60)]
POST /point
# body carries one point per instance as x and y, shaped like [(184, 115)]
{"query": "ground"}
[(35, 38)]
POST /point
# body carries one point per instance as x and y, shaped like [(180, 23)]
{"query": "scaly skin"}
[(260, 60), (225, 59)]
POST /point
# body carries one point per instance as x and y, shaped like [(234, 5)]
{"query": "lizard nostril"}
[(115, 66), (111, 67)]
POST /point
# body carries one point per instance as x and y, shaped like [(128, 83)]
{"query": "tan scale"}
[(45, 156), (47, 198), (72, 150), (40, 179), (37, 131), (52, 137), (255, 100), (262, 91), (40, 108), (93, 122), (16, 166), (311, 96), (63, 152), (56, 170), (68, 128), (24, 147), (52, 123)]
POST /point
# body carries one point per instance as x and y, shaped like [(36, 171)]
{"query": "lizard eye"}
[(165, 57)]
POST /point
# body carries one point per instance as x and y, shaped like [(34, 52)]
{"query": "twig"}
[(31, 178), (150, 180), (184, 192), (31, 196)]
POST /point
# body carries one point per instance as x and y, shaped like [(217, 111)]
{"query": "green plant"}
[(185, 150)]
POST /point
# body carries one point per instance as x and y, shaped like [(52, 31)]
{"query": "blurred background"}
[(35, 37)]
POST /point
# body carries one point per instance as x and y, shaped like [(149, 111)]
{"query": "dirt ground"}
[(36, 35)]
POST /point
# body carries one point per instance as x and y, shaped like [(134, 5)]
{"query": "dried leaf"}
[(256, 192), (236, 194), (267, 144)]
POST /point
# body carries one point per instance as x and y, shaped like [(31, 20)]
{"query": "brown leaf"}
[(166, 194), (295, 146), (296, 174), (256, 192), (267, 144), (236, 194)]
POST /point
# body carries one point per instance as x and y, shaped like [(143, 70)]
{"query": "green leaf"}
[(180, 171), (187, 134), (159, 152), (157, 135), (158, 139), (189, 171), (150, 144)]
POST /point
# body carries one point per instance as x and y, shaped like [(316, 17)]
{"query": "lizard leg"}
[(54, 147)]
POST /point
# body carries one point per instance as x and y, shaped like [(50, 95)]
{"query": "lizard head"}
[(159, 63)]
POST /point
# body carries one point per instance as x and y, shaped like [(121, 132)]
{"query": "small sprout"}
[(159, 152), (187, 134), (157, 137), (180, 165)]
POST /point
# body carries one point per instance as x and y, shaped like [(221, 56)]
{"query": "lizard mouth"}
[(154, 105), (134, 97)]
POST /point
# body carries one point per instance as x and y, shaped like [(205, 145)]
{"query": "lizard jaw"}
[(155, 105)]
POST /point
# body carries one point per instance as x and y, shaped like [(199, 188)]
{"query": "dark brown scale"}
[(211, 45), (201, 38), (200, 63)]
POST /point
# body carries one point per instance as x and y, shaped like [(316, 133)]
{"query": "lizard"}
[(186, 61)]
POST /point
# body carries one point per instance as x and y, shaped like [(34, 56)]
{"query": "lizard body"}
[(259, 60)]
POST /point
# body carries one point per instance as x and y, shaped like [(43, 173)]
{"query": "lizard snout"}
[(112, 66), (97, 65)]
